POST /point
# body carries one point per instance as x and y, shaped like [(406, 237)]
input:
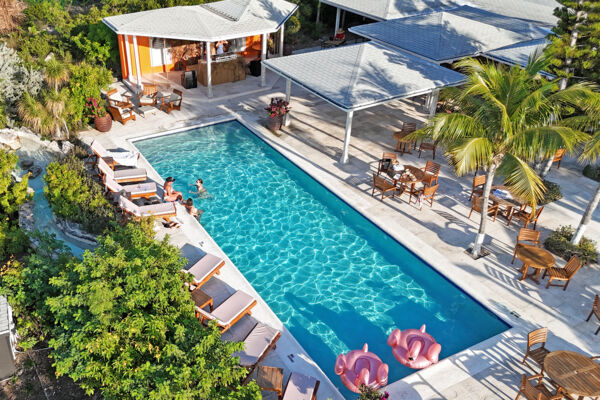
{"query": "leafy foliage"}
[(85, 82), (27, 285), (125, 325), (15, 78), (552, 193), (368, 393), (592, 172), (73, 195), (12, 195), (559, 242), (584, 56)]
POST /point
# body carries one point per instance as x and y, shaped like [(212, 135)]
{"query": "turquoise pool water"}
[(335, 279)]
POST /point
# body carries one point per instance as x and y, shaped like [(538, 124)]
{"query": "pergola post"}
[(209, 70), (431, 102), (137, 62), (338, 13), (318, 12), (263, 57), (349, 116), (128, 56), (281, 37), (288, 94)]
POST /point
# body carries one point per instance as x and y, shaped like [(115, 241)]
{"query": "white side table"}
[(145, 111)]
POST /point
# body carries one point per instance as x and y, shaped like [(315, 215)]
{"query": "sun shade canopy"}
[(363, 75), (222, 20), (382, 10), (451, 35)]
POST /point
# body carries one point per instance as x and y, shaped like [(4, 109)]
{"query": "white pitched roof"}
[(541, 11), (363, 75), (450, 35), (227, 19), (382, 10)]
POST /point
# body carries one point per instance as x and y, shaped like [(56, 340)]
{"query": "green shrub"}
[(592, 172), (552, 193), (86, 81), (368, 393), (74, 195), (559, 243), (125, 325)]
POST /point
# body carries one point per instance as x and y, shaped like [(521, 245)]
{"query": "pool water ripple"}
[(333, 278)]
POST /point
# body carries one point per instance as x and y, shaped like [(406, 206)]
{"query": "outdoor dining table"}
[(575, 373), (535, 257), (403, 179), (507, 204)]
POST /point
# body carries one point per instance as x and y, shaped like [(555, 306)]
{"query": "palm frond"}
[(522, 180), (470, 154), (545, 140), (591, 150), (448, 128)]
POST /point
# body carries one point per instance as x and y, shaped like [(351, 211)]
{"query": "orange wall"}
[(144, 52)]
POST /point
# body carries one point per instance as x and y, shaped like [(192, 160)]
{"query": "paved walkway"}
[(439, 235)]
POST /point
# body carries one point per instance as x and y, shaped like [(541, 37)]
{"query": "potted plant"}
[(276, 110), (94, 108)]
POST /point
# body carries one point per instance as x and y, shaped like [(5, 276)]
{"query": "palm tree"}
[(56, 73), (508, 117)]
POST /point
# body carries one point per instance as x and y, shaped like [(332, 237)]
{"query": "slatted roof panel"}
[(363, 75), (382, 10)]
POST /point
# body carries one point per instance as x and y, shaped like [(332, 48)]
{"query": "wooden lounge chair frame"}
[(224, 328), (270, 347), (131, 195), (385, 156), (558, 157), (537, 392), (118, 103), (166, 217), (526, 217), (595, 311), (535, 337), (563, 274), (148, 90), (384, 186), (492, 208), (110, 163), (526, 235), (116, 114), (109, 160), (477, 188), (427, 193), (168, 106), (216, 271)]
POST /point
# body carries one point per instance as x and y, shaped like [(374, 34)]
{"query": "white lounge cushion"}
[(230, 309), (300, 387), (126, 158), (157, 210), (256, 343), (205, 267), (134, 173), (147, 99), (140, 188), (174, 97)]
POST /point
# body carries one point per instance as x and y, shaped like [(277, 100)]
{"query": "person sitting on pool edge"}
[(169, 193), (189, 206)]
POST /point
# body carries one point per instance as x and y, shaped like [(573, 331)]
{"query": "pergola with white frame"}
[(208, 23), (360, 76)]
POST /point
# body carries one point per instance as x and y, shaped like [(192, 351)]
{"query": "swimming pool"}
[(334, 278)]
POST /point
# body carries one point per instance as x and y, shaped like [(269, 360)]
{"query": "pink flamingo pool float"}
[(414, 348), (361, 367)]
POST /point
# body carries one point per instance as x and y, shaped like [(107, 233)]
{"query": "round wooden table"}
[(508, 204), (575, 373), (404, 180), (535, 257)]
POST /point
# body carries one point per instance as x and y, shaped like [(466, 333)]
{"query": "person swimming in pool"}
[(201, 191), (191, 209)]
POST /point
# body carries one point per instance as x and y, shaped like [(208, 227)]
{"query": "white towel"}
[(126, 158)]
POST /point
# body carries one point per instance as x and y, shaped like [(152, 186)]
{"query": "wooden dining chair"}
[(384, 186), (526, 217), (386, 161), (147, 97), (526, 235), (477, 205), (426, 193), (537, 354), (536, 392), (403, 146), (558, 157), (432, 172), (424, 146), (595, 311), (477, 188), (563, 274)]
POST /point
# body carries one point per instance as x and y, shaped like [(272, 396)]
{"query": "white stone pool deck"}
[(489, 370)]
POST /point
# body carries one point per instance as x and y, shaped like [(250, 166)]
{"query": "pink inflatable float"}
[(414, 348), (361, 367)]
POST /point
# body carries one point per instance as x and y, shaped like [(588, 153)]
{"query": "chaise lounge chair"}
[(121, 114), (205, 268), (161, 210), (116, 99), (173, 102), (135, 191), (230, 311), (122, 175), (301, 387), (125, 158), (257, 344)]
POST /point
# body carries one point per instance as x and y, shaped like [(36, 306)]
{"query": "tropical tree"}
[(508, 117), (56, 73)]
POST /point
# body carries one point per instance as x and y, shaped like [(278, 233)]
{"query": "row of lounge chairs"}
[(129, 184)]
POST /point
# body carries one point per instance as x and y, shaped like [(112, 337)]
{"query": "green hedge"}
[(553, 193), (592, 172), (559, 243), (75, 196)]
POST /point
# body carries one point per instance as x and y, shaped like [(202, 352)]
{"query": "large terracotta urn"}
[(274, 124), (103, 124)]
